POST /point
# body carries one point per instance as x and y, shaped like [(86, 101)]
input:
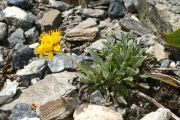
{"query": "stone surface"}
[(147, 40), (165, 63), (8, 91), (17, 37), (26, 118), (98, 45), (97, 13), (22, 110), (32, 35), (158, 51), (52, 87), (2, 17), (97, 98), (158, 15), (3, 55), (131, 5), (160, 114), (3, 31), (58, 109), (19, 17), (33, 68), (21, 57), (60, 63), (4, 115), (95, 112), (137, 27), (24, 4), (50, 20), (116, 9), (85, 31), (60, 5)]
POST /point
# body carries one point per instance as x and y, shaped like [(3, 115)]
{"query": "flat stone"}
[(35, 67), (85, 31), (60, 5), (97, 13), (17, 37), (95, 112), (22, 110), (51, 20), (19, 17), (137, 27), (8, 91), (160, 114), (24, 4), (97, 98), (3, 31), (98, 45), (58, 109), (60, 63), (158, 15), (52, 87)]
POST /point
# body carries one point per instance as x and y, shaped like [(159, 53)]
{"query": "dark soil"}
[(166, 95)]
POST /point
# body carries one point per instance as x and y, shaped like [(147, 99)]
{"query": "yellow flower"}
[(49, 43)]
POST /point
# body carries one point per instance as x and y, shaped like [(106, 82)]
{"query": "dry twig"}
[(150, 99)]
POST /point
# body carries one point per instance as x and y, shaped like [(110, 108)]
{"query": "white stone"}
[(15, 12), (95, 112), (8, 91), (32, 68), (158, 51), (160, 114), (26, 118), (52, 87)]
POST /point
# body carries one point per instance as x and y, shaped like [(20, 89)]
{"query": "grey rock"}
[(160, 114), (24, 4), (97, 3), (8, 91), (21, 57), (58, 109), (97, 98), (158, 15), (3, 31), (22, 110), (147, 40), (19, 17), (137, 27), (32, 35), (52, 87), (95, 112), (174, 2), (131, 5), (97, 13), (4, 115), (60, 63), (50, 20), (165, 63), (2, 17), (122, 111), (98, 45), (27, 118), (62, 6), (17, 37), (85, 31), (33, 68), (3, 54), (116, 9)]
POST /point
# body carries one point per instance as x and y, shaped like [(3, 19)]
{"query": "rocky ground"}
[(34, 88)]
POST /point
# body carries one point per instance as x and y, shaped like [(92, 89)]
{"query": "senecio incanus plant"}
[(117, 70), (49, 43)]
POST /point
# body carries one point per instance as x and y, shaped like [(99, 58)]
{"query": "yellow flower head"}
[(49, 43)]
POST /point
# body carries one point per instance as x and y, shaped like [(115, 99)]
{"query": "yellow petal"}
[(50, 55), (57, 48)]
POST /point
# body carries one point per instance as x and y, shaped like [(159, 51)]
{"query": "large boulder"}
[(159, 15)]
